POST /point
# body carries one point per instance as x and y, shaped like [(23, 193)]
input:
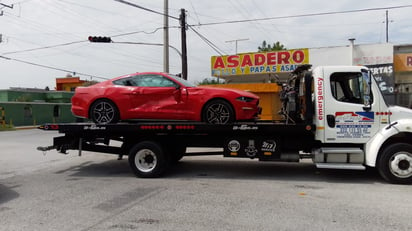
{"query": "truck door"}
[(349, 110)]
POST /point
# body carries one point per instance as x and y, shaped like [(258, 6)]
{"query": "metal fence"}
[(404, 99)]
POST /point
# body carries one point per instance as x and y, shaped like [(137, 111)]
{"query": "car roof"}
[(140, 73)]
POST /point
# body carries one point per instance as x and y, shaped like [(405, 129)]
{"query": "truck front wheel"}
[(395, 163), (147, 159)]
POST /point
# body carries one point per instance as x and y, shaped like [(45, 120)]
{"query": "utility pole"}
[(182, 20), (387, 26), (236, 40), (166, 37), (1, 14)]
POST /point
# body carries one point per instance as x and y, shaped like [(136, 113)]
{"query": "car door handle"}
[(331, 120)]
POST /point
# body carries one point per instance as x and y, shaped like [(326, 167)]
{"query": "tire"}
[(218, 112), (104, 111), (395, 163), (148, 160)]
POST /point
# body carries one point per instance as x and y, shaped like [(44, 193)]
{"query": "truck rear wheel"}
[(147, 159), (395, 163)]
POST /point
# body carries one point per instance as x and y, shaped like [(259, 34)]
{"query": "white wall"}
[(373, 54), (369, 54), (325, 56)]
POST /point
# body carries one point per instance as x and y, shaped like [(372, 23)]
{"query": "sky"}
[(46, 39)]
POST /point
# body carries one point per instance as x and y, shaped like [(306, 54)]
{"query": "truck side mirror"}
[(367, 108), (367, 89)]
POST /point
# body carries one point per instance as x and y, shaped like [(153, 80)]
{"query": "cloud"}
[(34, 23)]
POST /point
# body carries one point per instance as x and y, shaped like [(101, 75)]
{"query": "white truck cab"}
[(349, 110)]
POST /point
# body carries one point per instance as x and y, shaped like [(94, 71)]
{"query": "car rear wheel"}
[(218, 112), (104, 112)]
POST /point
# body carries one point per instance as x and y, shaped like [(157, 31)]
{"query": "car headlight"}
[(245, 99)]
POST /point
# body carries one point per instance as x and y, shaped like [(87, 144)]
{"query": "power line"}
[(82, 41), (23, 1), (213, 23), (302, 15), (213, 46), (194, 10), (50, 67), (152, 32), (144, 8), (46, 47), (208, 42), (150, 44)]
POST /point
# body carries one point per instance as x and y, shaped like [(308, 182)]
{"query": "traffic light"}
[(99, 39)]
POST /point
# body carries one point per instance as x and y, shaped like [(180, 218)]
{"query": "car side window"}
[(124, 82), (347, 87), (153, 81)]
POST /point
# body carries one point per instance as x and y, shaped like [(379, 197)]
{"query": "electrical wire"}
[(20, 2), (50, 67), (303, 15), (82, 41), (144, 8), (194, 10), (46, 47), (208, 42), (212, 23), (241, 9)]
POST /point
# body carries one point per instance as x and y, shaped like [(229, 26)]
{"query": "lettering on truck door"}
[(346, 120)]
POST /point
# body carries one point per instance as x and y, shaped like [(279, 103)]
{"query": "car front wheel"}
[(218, 112)]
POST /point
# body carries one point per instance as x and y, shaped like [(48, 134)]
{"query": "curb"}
[(26, 127)]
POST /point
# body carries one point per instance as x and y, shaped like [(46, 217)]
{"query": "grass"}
[(7, 128)]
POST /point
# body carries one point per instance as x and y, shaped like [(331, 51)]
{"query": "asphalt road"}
[(98, 192)]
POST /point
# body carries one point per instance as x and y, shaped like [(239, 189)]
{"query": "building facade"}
[(391, 66), (403, 74)]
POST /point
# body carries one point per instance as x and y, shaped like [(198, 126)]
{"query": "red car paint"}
[(178, 100)]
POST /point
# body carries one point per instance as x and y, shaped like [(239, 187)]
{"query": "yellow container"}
[(268, 93)]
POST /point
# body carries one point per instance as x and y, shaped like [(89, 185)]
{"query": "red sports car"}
[(160, 96)]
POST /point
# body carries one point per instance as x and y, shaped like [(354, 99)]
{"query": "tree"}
[(277, 46), (89, 83), (208, 81)]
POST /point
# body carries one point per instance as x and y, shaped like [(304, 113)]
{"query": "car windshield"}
[(182, 81)]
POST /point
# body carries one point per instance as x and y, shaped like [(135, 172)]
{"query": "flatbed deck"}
[(182, 128)]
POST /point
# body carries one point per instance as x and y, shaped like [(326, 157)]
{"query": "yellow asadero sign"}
[(259, 63)]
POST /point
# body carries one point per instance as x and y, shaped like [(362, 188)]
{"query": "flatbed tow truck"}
[(335, 115)]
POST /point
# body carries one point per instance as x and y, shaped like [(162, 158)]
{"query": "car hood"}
[(236, 91)]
